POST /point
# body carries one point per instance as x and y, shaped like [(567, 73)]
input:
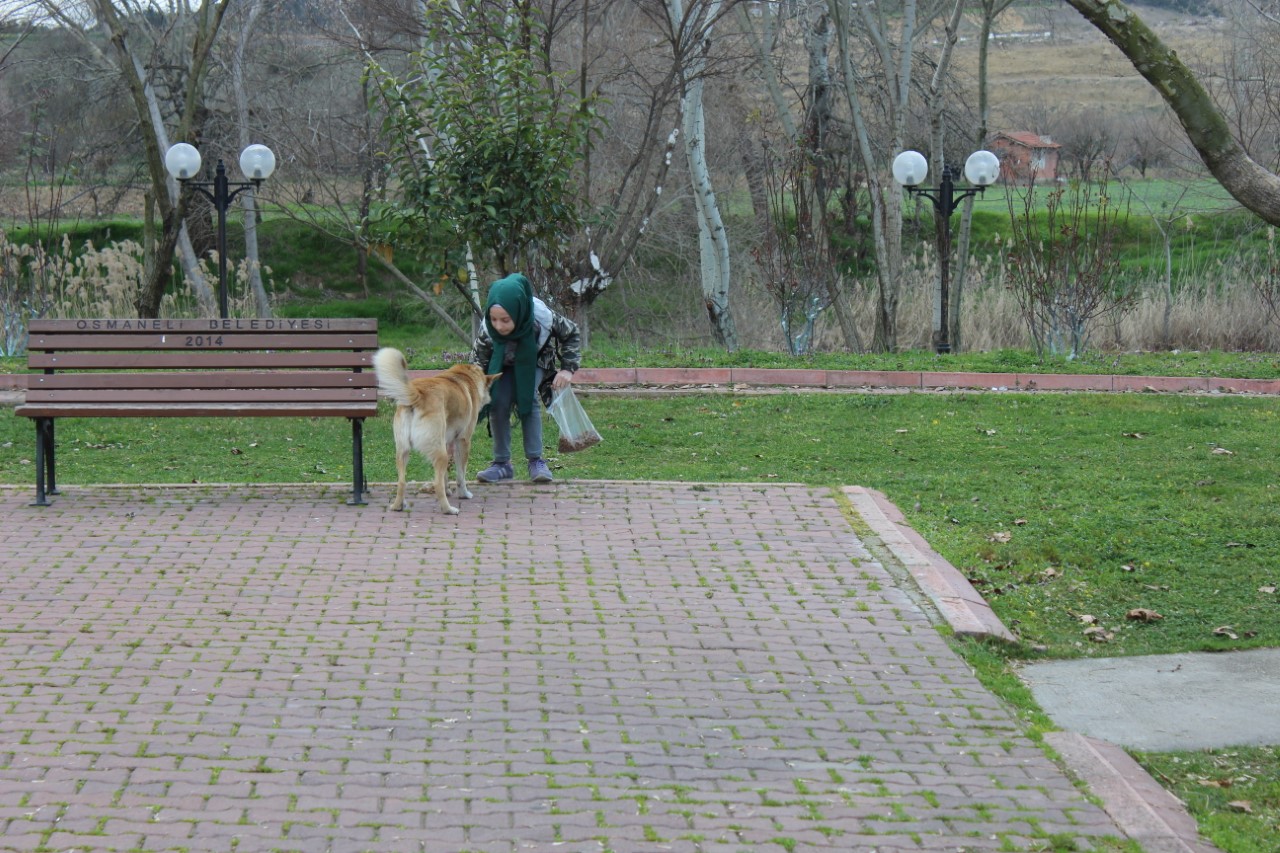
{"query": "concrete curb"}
[(1143, 810), (957, 601)]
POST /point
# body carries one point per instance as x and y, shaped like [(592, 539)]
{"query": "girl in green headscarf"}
[(523, 339)]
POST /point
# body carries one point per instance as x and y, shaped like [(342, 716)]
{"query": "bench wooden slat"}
[(186, 360), (200, 410), (201, 341), (203, 379), (67, 396), (206, 325)]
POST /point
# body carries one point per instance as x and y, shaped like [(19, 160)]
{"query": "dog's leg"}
[(404, 447), (461, 452), (440, 460), (402, 463)]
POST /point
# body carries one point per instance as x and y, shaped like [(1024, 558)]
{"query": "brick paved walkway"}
[(584, 667)]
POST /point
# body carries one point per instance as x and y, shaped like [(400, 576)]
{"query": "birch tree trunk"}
[(713, 240), (252, 10)]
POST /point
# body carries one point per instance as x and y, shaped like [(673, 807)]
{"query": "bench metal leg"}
[(359, 486), (46, 481)]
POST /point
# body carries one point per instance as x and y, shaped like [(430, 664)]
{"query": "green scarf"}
[(515, 295)]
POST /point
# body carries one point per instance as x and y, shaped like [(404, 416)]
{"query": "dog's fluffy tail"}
[(393, 375)]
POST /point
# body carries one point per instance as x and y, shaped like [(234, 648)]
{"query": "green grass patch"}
[(1234, 794)]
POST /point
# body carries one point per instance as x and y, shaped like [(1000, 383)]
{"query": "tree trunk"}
[(886, 202), (208, 18), (248, 198), (1248, 182), (713, 239)]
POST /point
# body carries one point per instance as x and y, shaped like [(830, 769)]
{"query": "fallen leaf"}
[(1087, 619), (1134, 435), (1268, 589), (1127, 567), (1222, 451), (1000, 536), (1225, 631), (1142, 614), (1099, 634), (235, 451), (1217, 783), (1019, 521), (901, 431), (1050, 573), (1241, 806)]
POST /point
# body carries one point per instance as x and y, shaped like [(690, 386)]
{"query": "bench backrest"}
[(197, 361)]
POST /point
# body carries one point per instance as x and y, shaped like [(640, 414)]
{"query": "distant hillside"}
[(1046, 58)]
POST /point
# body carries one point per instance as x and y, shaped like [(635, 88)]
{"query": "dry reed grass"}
[(1228, 316)]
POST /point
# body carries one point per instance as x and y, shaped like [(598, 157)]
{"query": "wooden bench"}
[(302, 368)]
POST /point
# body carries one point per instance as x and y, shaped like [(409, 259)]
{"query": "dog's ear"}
[(490, 378)]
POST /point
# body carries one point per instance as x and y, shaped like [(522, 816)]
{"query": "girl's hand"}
[(563, 379)]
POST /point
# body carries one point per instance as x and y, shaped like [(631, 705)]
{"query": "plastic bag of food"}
[(576, 431)]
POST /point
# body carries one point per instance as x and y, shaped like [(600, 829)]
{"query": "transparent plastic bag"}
[(576, 431)]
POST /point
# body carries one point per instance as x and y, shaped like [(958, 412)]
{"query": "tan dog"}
[(435, 416)]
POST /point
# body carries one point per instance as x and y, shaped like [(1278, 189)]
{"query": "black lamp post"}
[(257, 162), (909, 169)]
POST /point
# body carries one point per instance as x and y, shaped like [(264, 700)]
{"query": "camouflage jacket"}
[(559, 346)]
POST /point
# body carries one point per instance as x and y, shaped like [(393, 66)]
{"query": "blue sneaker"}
[(538, 471), (496, 473)]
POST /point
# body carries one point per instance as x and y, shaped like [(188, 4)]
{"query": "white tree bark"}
[(248, 200), (713, 240)]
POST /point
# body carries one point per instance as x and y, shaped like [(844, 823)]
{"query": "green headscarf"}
[(515, 295)]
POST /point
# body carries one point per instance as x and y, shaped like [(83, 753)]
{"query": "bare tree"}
[(249, 13), (690, 34), (810, 128), (1089, 139), (163, 60), (876, 47), (1062, 266)]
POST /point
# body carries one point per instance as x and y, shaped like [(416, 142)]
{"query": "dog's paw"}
[(395, 506), (464, 492), (452, 510)]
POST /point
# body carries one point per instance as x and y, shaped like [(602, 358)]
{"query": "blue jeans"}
[(502, 400)]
